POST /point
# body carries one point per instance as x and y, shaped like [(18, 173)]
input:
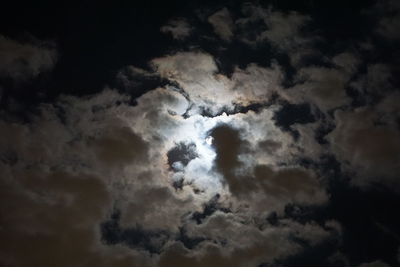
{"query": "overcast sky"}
[(200, 133)]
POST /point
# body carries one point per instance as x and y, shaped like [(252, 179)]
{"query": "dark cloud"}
[(227, 143), (24, 60), (367, 144), (39, 218), (119, 146), (374, 264), (389, 19), (283, 30), (179, 28)]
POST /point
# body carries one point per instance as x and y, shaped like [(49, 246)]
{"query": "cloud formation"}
[(179, 28), (222, 23), (204, 167), (24, 60)]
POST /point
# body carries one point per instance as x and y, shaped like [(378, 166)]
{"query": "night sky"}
[(200, 133)]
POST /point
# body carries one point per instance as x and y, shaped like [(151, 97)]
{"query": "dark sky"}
[(200, 133)]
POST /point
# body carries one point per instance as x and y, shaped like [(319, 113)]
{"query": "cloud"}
[(388, 20), (222, 23), (324, 87), (374, 264), (283, 30), (367, 140), (347, 61), (67, 169), (135, 81), (118, 146), (115, 154), (197, 74), (260, 183), (179, 28), (191, 169), (256, 84), (24, 60), (242, 244), (52, 218), (375, 82)]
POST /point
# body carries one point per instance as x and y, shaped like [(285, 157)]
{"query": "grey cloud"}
[(389, 20), (131, 78), (111, 153), (325, 87), (347, 61), (282, 30), (290, 184), (375, 82), (257, 84), (268, 246), (339, 259), (179, 28), (242, 243), (307, 144), (364, 140), (52, 218), (222, 23), (156, 208), (197, 74), (228, 144), (277, 187), (388, 27), (24, 60), (119, 146), (185, 65), (377, 263), (63, 175)]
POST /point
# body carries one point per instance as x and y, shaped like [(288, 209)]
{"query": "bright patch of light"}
[(199, 171), (209, 140)]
